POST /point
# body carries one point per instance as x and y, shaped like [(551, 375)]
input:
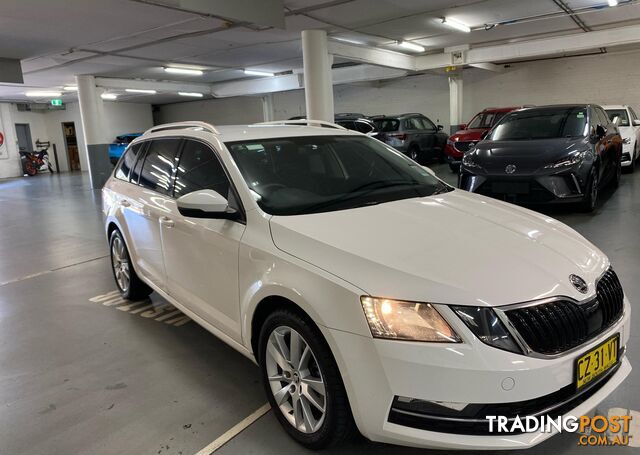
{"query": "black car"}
[(548, 154), (356, 122), (414, 135)]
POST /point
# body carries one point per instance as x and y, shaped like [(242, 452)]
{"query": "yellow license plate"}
[(597, 361)]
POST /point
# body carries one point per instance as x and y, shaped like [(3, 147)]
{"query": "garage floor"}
[(82, 372)]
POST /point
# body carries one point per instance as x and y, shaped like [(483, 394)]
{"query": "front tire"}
[(302, 381), (590, 200), (131, 287), (414, 154)]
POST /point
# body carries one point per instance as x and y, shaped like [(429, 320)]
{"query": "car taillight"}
[(401, 136)]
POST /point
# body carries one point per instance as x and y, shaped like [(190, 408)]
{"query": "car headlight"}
[(468, 160), (570, 160), (409, 321), (487, 326)]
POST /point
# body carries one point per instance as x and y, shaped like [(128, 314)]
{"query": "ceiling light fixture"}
[(257, 73), (43, 94), (141, 90), (347, 40), (411, 46), (109, 96), (187, 71), (613, 2), (456, 24), (193, 94), (70, 88)]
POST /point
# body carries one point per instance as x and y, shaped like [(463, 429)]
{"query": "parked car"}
[(331, 259), (117, 148), (549, 154), (629, 126), (470, 134), (357, 122), (414, 135)]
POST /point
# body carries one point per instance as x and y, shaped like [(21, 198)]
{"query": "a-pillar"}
[(93, 125), (455, 101), (318, 87)]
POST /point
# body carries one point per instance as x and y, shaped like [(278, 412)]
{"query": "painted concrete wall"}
[(120, 118), (223, 111)]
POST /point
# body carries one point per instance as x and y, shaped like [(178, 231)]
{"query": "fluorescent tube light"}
[(613, 2), (188, 71), (257, 73), (42, 94), (193, 94), (347, 40), (456, 24), (411, 46), (109, 96), (70, 88), (140, 90)]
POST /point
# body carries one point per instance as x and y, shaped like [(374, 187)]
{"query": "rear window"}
[(386, 125), (159, 165)]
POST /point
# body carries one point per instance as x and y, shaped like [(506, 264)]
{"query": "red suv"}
[(471, 133)]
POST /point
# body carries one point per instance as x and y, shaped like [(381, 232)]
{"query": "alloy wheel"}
[(295, 379), (413, 154), (120, 263)]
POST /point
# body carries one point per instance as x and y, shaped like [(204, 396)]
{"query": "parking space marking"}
[(45, 272), (235, 430), (161, 312)]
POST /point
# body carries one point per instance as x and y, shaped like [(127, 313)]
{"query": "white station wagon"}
[(372, 295)]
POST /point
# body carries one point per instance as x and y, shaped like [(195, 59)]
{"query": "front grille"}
[(555, 327), (517, 191), (463, 146)]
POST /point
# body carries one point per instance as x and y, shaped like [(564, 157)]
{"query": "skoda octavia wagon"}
[(296, 245)]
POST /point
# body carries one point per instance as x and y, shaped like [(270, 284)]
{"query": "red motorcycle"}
[(38, 161)]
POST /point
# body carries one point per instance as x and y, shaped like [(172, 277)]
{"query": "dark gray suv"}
[(548, 154), (413, 134)]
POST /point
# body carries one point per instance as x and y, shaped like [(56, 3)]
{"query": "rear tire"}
[(297, 366), (414, 154), (131, 287)]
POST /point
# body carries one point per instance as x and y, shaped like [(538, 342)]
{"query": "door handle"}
[(167, 222), (125, 203)]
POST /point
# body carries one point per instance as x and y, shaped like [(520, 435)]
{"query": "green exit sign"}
[(56, 102)]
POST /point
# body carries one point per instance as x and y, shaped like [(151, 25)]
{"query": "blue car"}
[(119, 145)]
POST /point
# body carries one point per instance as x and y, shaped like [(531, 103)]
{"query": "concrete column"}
[(455, 102), (267, 108), (318, 87), (93, 125)]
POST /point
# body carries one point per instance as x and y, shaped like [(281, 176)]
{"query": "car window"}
[(200, 169), (633, 114), (602, 117), (387, 125), (623, 118), (364, 127), (414, 123), (426, 123), (312, 174), (159, 165), (348, 124), (127, 162)]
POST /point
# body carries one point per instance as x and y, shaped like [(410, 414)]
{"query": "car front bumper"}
[(376, 371)]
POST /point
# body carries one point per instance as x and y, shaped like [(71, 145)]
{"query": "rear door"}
[(152, 202), (610, 144), (201, 255)]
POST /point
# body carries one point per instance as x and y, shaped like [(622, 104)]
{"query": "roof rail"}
[(304, 122), (183, 126)]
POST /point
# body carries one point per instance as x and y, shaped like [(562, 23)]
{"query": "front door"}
[(201, 255), (23, 132)]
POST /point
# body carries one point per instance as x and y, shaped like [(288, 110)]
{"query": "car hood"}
[(455, 248), (468, 135), (528, 156)]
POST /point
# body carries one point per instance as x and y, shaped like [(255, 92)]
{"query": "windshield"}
[(621, 113), (312, 174), (485, 120), (546, 123)]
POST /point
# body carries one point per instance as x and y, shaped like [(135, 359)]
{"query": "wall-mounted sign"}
[(56, 102)]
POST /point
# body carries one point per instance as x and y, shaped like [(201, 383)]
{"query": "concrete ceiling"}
[(134, 39)]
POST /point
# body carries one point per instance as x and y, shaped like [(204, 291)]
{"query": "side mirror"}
[(636, 122), (462, 126), (597, 133), (440, 127), (206, 204)]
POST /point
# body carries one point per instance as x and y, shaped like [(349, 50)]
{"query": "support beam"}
[(318, 88), (379, 57), (166, 86), (93, 121), (455, 102), (488, 67), (267, 108)]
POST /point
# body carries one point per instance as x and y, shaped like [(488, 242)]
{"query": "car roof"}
[(615, 106), (503, 109)]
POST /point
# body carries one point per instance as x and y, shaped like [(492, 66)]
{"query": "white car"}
[(371, 294), (629, 126)]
